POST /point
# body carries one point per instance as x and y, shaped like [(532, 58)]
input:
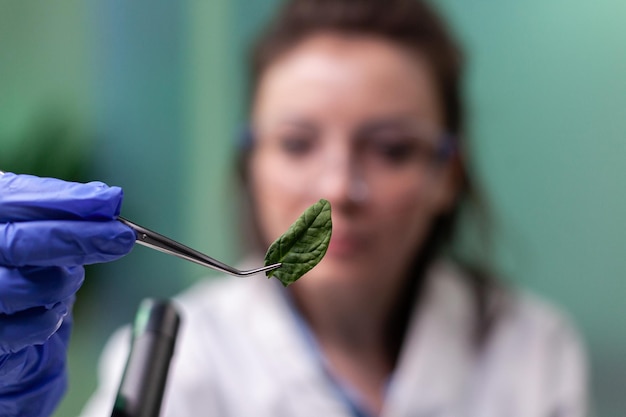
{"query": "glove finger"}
[(63, 243), (30, 327), (28, 287), (34, 379), (26, 197), (65, 330)]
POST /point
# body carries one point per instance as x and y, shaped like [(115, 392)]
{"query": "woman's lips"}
[(346, 245)]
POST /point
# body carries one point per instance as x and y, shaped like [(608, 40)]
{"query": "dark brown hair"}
[(415, 26), (406, 22)]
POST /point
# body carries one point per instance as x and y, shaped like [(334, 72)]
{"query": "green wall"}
[(548, 93), (151, 97)]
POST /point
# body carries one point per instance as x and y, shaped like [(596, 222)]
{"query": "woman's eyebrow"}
[(374, 125), (294, 121), (289, 122)]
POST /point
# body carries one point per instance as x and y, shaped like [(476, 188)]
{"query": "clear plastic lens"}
[(309, 163)]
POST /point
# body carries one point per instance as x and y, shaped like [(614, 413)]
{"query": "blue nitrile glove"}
[(49, 229)]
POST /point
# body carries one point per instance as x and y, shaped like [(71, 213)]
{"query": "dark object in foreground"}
[(154, 335)]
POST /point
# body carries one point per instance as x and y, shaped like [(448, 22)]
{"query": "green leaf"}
[(303, 246)]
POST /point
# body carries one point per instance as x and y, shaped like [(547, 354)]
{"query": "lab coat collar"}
[(435, 362)]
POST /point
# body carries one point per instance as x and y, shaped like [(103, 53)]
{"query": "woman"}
[(359, 102)]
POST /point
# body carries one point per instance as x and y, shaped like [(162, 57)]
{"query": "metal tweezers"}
[(153, 240), (147, 237)]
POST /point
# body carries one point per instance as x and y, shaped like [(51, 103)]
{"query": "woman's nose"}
[(341, 180)]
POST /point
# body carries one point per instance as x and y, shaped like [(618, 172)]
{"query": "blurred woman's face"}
[(354, 120)]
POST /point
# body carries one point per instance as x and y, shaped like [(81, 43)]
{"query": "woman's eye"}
[(296, 145), (394, 151)]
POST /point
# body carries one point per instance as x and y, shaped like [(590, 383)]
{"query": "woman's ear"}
[(450, 180)]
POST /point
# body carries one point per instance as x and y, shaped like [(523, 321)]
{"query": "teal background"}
[(150, 96)]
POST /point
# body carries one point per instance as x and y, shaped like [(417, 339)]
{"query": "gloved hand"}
[(49, 229)]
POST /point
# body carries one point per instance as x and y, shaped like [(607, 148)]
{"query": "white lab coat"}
[(241, 353)]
